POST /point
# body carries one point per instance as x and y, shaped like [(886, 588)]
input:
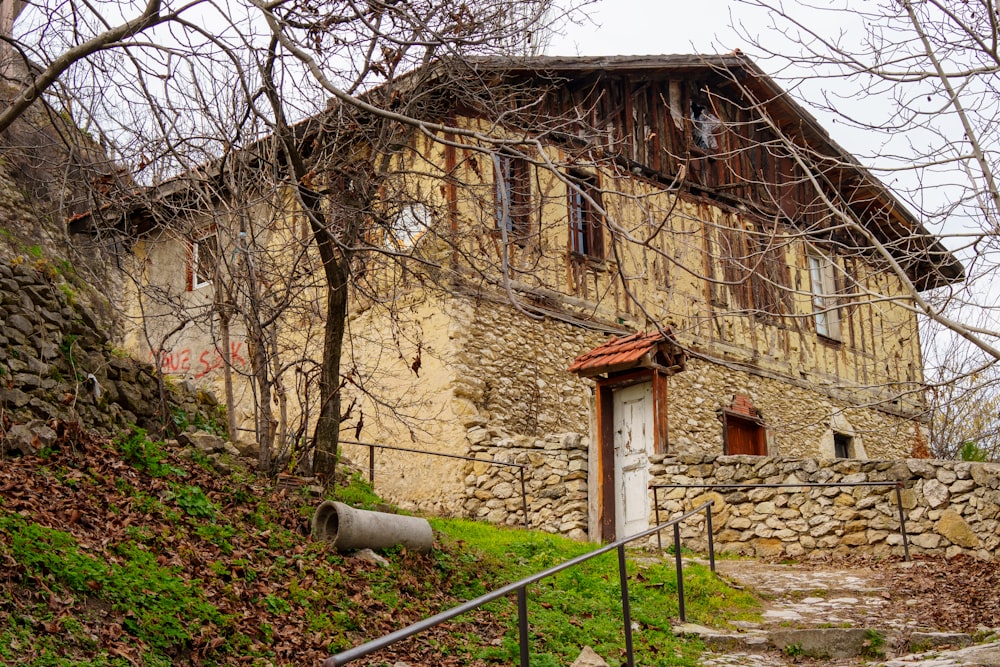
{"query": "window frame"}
[(199, 240), (771, 284), (751, 258), (706, 128), (586, 224), (823, 295), (409, 224), (843, 445), (742, 429), (512, 186)]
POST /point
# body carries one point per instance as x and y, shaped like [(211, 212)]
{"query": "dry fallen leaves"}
[(84, 488)]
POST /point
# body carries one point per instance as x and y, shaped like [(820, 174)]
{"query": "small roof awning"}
[(655, 350)]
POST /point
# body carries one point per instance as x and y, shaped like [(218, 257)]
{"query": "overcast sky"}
[(649, 27), (638, 27)]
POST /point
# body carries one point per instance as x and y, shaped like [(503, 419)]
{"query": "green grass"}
[(582, 605), (173, 565), (145, 454), (358, 493), (873, 646), (160, 607)]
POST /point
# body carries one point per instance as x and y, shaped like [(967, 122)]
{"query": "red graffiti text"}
[(197, 362)]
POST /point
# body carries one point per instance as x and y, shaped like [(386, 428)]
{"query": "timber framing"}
[(625, 97)]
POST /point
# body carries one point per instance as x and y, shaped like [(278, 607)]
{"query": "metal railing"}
[(521, 589), (898, 485), (371, 465)]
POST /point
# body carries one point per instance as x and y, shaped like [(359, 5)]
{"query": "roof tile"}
[(619, 351)]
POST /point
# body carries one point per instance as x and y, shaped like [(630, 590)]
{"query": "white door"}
[(633, 422)]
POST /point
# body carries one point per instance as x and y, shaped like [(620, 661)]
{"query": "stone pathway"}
[(831, 617)]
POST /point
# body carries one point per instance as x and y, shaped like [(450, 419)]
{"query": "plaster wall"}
[(436, 368)]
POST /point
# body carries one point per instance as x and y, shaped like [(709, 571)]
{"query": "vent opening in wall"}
[(843, 446)]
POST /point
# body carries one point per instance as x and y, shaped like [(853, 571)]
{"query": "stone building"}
[(756, 281)]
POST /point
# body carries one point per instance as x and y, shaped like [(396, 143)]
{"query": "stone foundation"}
[(950, 507), (555, 480)]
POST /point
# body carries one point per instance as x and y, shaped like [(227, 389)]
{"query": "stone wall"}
[(519, 405), (56, 363), (517, 401), (951, 507), (800, 421), (513, 369), (555, 479)]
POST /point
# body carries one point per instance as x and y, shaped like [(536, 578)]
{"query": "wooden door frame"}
[(606, 437)]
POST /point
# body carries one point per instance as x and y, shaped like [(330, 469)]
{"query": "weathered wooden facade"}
[(686, 194)]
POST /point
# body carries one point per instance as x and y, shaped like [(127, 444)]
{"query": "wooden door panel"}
[(744, 436), (633, 420)]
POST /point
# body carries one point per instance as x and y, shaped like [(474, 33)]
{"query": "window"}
[(586, 230), (410, 223), (513, 195), (737, 266), (743, 435), (743, 429), (824, 296), (842, 446), (771, 285), (707, 128), (204, 259), (755, 271)]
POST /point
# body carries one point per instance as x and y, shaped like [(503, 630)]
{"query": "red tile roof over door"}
[(638, 350)]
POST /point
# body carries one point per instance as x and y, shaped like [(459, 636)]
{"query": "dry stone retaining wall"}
[(951, 507), (56, 363), (555, 479)]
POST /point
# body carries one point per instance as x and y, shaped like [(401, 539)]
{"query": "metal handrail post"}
[(656, 512), (680, 572), (626, 607), (902, 522), (371, 465), (711, 538), (524, 500), (522, 624)]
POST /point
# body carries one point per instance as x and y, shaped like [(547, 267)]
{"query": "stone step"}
[(820, 643)]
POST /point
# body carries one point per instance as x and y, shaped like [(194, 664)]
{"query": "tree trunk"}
[(264, 418), (227, 373), (258, 359), (280, 441), (327, 434), (333, 232)]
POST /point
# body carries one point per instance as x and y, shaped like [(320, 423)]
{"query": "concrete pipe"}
[(349, 529)]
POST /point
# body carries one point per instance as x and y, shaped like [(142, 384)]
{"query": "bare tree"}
[(965, 407), (192, 102), (314, 110), (914, 85)]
